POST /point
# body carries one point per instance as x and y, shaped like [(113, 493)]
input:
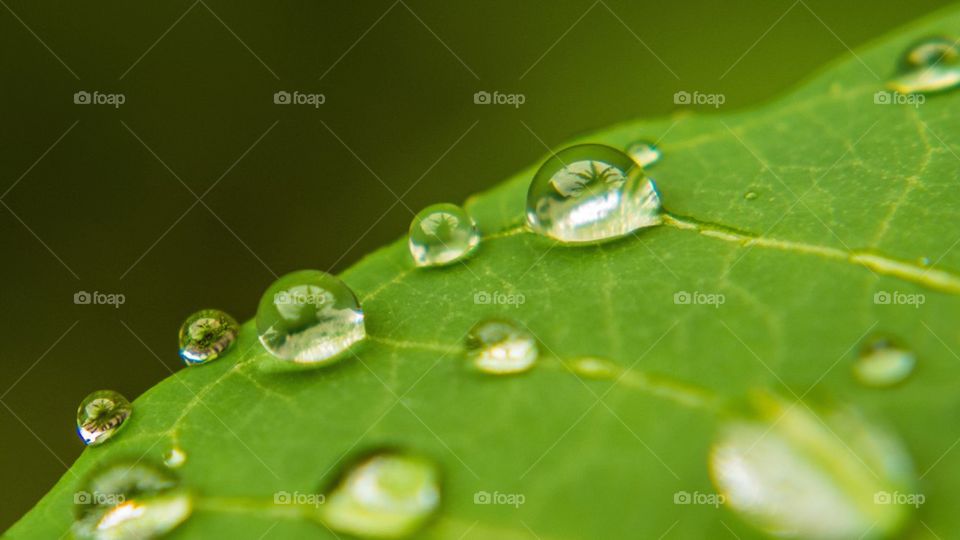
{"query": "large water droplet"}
[(645, 153), (930, 65), (100, 415), (205, 335), (796, 473), (441, 234), (309, 318), (501, 346), (882, 363), (591, 193), (129, 501), (387, 495)]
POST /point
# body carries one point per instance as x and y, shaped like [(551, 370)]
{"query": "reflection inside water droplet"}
[(882, 363), (500, 346), (205, 335), (441, 234), (100, 416)]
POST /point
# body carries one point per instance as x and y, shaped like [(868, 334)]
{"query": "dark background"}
[(87, 206)]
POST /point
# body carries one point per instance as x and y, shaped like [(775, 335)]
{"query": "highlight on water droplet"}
[(929, 65), (309, 318), (205, 335), (797, 472), (882, 364), (388, 494), (174, 458), (100, 415), (441, 234), (645, 153), (129, 501), (591, 193), (593, 367), (500, 347)]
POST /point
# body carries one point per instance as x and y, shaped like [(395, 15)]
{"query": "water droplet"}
[(129, 501), (925, 261), (882, 363), (174, 458), (501, 346), (387, 495), (645, 153), (100, 415), (309, 318), (591, 193), (750, 195), (796, 473), (592, 367), (441, 234), (930, 65), (205, 335)]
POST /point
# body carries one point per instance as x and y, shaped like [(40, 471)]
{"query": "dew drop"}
[(645, 153), (441, 234), (591, 193), (129, 501), (174, 458), (100, 416), (500, 347), (929, 65), (882, 364), (592, 367), (387, 495), (750, 195), (310, 318), (796, 473), (205, 335)]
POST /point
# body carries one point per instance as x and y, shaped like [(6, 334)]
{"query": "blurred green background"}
[(98, 198)]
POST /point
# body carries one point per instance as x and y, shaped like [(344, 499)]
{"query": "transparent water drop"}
[(129, 501), (750, 195), (174, 458), (925, 261), (441, 234), (310, 318), (386, 495), (100, 415), (501, 346), (883, 363), (205, 335), (796, 472), (591, 193), (929, 65), (645, 153), (592, 367)]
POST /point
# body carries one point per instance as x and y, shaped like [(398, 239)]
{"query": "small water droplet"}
[(205, 335), (593, 367), (929, 65), (501, 346), (591, 193), (129, 501), (925, 261), (645, 153), (387, 495), (441, 234), (174, 458), (100, 416), (309, 317), (882, 363), (750, 195), (796, 473)]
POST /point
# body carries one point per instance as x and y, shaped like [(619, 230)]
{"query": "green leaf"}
[(850, 196)]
